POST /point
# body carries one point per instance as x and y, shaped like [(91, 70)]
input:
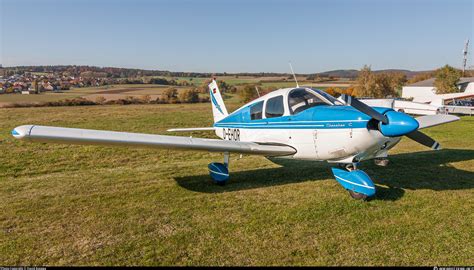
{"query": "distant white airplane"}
[(295, 123)]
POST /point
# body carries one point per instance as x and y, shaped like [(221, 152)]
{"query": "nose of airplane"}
[(399, 124), (21, 131)]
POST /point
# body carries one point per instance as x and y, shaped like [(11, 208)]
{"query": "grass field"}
[(109, 92), (89, 205)]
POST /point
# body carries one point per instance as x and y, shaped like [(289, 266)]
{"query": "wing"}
[(101, 137), (434, 120)]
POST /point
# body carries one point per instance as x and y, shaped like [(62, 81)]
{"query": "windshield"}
[(331, 99), (301, 99)]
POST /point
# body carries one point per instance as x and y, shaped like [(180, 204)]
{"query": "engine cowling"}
[(399, 124)]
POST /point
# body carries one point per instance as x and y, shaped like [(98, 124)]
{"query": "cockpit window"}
[(301, 99), (256, 110), (327, 96), (274, 107)]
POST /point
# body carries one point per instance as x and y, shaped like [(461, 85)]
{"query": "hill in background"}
[(114, 72)]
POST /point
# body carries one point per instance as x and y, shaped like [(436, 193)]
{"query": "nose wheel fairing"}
[(356, 181)]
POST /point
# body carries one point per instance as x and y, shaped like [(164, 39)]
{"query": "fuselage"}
[(324, 131)]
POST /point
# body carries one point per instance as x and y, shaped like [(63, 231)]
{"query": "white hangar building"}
[(425, 92)]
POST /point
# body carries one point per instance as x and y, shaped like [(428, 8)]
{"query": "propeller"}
[(401, 123), (424, 139), (362, 107)]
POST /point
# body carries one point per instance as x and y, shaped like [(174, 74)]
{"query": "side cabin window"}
[(301, 99), (256, 111), (274, 107)]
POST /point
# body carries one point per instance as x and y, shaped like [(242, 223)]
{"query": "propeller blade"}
[(424, 139), (354, 102)]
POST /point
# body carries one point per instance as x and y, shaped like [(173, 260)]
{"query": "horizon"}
[(187, 36), (187, 71)]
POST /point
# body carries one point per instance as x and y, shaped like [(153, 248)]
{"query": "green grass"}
[(89, 205)]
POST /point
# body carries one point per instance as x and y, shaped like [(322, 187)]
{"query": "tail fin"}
[(218, 107)]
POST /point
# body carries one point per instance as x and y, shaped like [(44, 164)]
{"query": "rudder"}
[(219, 110)]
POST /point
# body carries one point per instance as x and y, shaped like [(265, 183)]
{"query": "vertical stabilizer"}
[(218, 107)]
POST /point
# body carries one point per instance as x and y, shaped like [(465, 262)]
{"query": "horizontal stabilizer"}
[(101, 137), (191, 129)]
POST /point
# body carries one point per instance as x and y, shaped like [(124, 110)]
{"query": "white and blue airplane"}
[(299, 123)]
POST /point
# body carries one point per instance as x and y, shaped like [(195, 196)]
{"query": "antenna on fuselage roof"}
[(292, 72)]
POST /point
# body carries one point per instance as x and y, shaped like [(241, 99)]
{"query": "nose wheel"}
[(356, 182), (358, 196)]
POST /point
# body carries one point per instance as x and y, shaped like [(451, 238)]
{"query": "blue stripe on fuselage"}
[(297, 125), (319, 117)]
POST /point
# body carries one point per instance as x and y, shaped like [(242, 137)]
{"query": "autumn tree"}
[(348, 91), (247, 93), (330, 90), (365, 83), (204, 87), (446, 79), (373, 85), (397, 81), (420, 77), (334, 91)]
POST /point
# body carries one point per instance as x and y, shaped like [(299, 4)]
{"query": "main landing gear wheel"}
[(383, 162), (358, 196), (219, 172)]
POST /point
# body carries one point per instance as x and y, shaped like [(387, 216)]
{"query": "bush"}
[(145, 99), (100, 100), (169, 94), (189, 96)]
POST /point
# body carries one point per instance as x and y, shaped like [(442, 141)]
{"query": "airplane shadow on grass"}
[(421, 170)]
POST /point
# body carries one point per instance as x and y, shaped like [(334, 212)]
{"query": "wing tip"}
[(21, 132)]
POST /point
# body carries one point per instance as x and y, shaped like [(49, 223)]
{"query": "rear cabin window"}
[(256, 111), (274, 107)]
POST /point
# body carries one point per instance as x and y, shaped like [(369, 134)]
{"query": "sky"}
[(237, 35)]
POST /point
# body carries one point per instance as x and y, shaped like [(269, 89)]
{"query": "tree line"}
[(389, 84)]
